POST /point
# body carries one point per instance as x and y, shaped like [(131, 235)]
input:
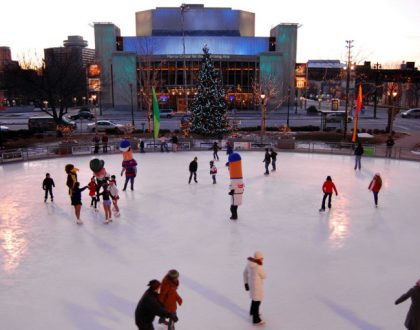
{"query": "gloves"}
[(231, 192), (246, 287), (173, 317)]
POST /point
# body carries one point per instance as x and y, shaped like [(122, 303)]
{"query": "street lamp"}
[(394, 97), (93, 100), (376, 66), (349, 47), (262, 113), (288, 105), (132, 107)]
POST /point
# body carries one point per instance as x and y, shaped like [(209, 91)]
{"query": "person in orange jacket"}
[(168, 295), (375, 185), (328, 187)]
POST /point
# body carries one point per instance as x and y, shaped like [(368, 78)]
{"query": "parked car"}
[(168, 113), (47, 123), (411, 113), (103, 125), (337, 118), (82, 115), (4, 128)]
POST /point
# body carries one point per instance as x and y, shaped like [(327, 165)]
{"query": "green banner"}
[(156, 115)]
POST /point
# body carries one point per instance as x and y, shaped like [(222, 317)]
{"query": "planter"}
[(286, 143)]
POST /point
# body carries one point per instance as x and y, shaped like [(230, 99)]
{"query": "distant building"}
[(5, 63), (168, 37)]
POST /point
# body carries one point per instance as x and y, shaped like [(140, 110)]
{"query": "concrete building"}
[(169, 43)]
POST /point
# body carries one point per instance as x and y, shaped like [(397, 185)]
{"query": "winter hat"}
[(258, 255), (154, 284), (418, 283), (125, 145), (96, 164), (173, 273)]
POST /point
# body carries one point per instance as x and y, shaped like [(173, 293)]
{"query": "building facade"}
[(167, 50)]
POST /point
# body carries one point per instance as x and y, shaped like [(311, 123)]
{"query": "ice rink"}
[(337, 270)]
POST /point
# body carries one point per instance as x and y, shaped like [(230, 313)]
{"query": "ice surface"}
[(341, 269)]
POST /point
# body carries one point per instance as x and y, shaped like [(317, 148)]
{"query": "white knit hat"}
[(258, 255)]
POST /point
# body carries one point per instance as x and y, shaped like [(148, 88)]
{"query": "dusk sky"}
[(383, 30)]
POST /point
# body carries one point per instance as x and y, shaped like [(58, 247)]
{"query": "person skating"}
[(114, 195), (130, 169), (141, 146), (47, 185), (389, 145), (174, 141), (106, 201), (273, 156), (215, 147), (76, 200), (105, 143), (412, 320), (92, 193), (149, 306), (163, 144), (213, 171), (374, 186), (358, 152), (169, 296), (193, 170), (236, 186), (254, 275), (96, 141), (267, 161), (328, 188)]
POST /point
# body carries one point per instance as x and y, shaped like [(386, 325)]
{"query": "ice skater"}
[(412, 320), (273, 156), (130, 169), (76, 201), (47, 185), (106, 201), (169, 296), (215, 147), (193, 170), (213, 171), (114, 195), (374, 186), (328, 188), (236, 187), (267, 161), (389, 145), (358, 152), (92, 193), (149, 306), (254, 275)]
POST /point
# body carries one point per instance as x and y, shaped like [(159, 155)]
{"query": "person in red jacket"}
[(375, 185), (92, 193), (168, 295), (328, 187)]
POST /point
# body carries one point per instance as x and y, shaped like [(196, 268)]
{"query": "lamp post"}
[(394, 97), (184, 7), (132, 107), (93, 100), (376, 66), (262, 96), (288, 105), (349, 47)]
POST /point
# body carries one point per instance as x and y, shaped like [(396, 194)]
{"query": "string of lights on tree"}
[(209, 104)]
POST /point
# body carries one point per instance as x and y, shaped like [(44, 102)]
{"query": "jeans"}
[(105, 148), (131, 179), (214, 178), (215, 155), (358, 162), (191, 175), (93, 201), (46, 193), (388, 152), (164, 146), (273, 164), (375, 197), (329, 200), (255, 311), (266, 168)]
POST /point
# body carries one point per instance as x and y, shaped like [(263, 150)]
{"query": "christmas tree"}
[(209, 104)]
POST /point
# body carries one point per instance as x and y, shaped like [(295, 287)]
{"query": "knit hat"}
[(173, 273), (258, 255), (154, 284)]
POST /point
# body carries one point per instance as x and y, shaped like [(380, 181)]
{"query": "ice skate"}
[(260, 323), (52, 199), (106, 221), (45, 200), (321, 210), (79, 222)]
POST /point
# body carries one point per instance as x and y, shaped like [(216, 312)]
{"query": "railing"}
[(338, 148)]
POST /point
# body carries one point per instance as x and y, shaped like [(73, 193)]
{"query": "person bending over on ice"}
[(328, 188), (254, 275), (374, 186), (169, 296), (149, 306)]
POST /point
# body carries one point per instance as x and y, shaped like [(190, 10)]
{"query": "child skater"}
[(106, 200), (92, 193), (47, 185), (375, 185), (169, 296), (114, 195), (76, 200), (213, 171), (328, 188)]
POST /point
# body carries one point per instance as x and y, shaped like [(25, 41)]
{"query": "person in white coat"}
[(254, 275)]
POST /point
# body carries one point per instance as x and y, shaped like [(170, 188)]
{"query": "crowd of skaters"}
[(161, 298)]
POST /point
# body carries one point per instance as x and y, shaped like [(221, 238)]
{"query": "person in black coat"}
[(273, 156), (215, 147), (267, 161), (149, 306), (358, 152), (193, 170), (412, 321), (47, 185)]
